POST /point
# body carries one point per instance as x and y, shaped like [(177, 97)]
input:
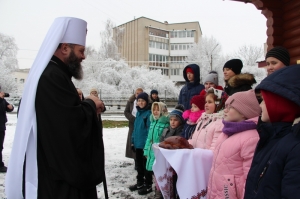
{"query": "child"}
[(211, 81), (192, 115), (210, 125), (154, 96), (159, 121), (275, 169), (139, 137), (234, 147), (176, 123), (277, 58)]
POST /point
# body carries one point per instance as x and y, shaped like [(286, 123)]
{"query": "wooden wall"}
[(283, 24)]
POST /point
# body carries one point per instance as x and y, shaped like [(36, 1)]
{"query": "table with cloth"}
[(192, 167)]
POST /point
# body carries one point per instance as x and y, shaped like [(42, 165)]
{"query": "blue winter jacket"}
[(275, 169), (141, 128), (190, 88)]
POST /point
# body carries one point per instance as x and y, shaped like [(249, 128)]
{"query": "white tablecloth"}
[(192, 167)]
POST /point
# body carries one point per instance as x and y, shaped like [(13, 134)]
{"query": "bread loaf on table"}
[(175, 142)]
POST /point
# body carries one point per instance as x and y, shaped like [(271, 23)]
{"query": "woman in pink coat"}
[(235, 147), (209, 126)]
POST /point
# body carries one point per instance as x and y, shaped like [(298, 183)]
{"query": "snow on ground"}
[(119, 170)]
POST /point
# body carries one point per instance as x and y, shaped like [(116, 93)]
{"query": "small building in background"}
[(20, 76), (157, 45)]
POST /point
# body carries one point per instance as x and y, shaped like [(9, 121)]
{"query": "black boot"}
[(145, 190), (137, 186), (157, 195)]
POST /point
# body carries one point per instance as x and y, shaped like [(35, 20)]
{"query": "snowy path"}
[(119, 170)]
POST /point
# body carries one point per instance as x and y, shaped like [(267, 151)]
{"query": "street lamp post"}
[(211, 59)]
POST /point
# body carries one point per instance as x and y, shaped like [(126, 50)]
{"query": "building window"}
[(166, 72), (180, 47), (176, 47), (16, 79), (183, 47), (22, 81), (188, 33)]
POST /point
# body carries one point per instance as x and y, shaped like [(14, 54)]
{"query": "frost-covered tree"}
[(8, 51), (206, 54), (249, 54), (105, 71), (108, 48), (8, 62), (116, 79)]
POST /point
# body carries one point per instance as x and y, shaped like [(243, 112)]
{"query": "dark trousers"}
[(2, 135), (143, 175)]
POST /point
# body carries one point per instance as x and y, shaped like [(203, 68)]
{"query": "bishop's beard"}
[(75, 67)]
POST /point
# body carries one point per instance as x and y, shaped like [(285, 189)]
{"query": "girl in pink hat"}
[(234, 147)]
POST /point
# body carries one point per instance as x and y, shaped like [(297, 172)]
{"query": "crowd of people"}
[(246, 129), (58, 150)]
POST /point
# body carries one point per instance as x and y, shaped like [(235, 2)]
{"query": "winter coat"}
[(231, 163), (275, 169), (168, 132), (238, 83), (141, 128), (128, 114), (190, 88), (155, 132), (3, 110), (207, 131)]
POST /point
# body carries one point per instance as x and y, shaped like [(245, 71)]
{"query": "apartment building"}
[(158, 45)]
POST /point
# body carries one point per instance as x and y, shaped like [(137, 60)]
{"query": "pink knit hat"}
[(245, 103)]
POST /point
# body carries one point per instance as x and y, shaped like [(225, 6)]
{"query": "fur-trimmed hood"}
[(241, 79)]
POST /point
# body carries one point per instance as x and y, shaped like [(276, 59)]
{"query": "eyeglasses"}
[(228, 106)]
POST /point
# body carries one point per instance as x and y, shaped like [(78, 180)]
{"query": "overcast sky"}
[(231, 23)]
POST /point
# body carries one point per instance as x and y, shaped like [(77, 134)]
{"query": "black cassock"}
[(70, 152)]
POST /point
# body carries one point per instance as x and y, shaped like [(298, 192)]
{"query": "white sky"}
[(231, 23)]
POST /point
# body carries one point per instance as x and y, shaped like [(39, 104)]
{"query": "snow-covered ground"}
[(119, 170)]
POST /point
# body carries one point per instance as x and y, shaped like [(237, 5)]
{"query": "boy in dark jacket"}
[(176, 123), (139, 137), (191, 74), (275, 169)]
